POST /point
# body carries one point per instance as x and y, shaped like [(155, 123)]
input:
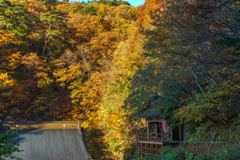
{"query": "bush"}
[(7, 145), (170, 154)]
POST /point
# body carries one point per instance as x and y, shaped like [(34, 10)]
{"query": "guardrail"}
[(41, 124)]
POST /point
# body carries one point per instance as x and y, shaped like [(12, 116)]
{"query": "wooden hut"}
[(157, 132)]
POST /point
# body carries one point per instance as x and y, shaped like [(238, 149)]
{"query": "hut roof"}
[(150, 112)]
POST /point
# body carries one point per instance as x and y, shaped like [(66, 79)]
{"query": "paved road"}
[(51, 145)]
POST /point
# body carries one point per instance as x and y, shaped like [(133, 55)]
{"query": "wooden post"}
[(147, 131), (147, 127), (171, 135), (180, 132)]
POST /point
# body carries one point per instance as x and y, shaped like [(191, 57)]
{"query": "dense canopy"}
[(103, 62)]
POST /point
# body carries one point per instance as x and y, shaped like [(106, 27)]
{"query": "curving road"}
[(52, 143)]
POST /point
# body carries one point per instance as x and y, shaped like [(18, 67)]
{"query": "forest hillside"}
[(104, 62)]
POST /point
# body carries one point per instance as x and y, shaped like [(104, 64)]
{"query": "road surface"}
[(51, 143)]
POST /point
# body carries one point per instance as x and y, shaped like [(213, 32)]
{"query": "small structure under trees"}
[(158, 133)]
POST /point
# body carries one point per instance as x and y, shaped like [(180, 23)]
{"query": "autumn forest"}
[(107, 64)]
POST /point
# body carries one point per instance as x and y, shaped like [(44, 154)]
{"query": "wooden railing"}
[(149, 137), (153, 142), (149, 143)]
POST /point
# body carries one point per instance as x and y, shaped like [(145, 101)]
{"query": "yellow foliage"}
[(14, 60), (5, 81), (31, 60), (34, 7), (112, 113), (67, 75), (43, 79), (8, 38), (86, 26)]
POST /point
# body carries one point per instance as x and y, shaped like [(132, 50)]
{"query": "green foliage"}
[(170, 154), (54, 27), (115, 117), (8, 146), (205, 106), (13, 18), (188, 77), (50, 1), (199, 134), (112, 2), (192, 75), (88, 9)]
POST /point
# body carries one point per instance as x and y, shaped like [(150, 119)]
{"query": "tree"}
[(7, 146), (50, 1), (191, 71), (14, 23), (112, 2), (85, 26), (53, 32)]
